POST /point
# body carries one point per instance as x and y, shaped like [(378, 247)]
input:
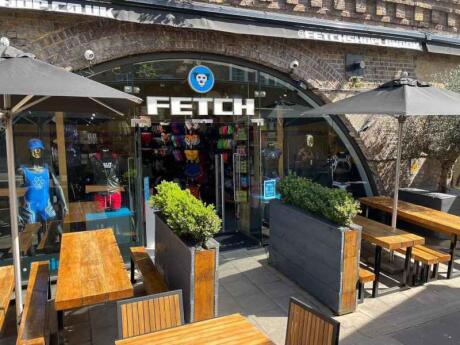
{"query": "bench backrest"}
[(137, 316), (153, 280), (307, 326), (34, 321)]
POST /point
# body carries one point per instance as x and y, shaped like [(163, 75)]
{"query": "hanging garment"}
[(37, 196)]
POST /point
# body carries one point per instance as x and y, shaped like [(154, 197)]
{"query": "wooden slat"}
[(98, 189), (229, 330), (78, 211), (152, 279), (150, 314), (205, 263), (33, 329), (442, 257), (6, 289), (419, 215), (366, 276), (91, 270), (385, 236), (307, 328), (421, 256), (350, 271)]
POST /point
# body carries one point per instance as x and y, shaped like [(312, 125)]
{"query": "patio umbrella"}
[(27, 83), (401, 98)]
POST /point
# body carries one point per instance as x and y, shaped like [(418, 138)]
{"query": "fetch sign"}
[(201, 80)]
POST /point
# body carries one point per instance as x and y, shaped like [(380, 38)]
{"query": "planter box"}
[(319, 256), (438, 201), (192, 270)]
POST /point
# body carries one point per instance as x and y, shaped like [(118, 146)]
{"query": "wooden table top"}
[(78, 211), (385, 236), (419, 215), (91, 270), (229, 330)]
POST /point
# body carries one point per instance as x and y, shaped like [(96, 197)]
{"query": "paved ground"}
[(424, 315)]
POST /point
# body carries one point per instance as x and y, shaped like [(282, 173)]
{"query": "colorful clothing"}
[(37, 196)]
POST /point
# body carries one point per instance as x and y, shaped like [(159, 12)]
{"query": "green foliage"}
[(187, 216), (336, 205)]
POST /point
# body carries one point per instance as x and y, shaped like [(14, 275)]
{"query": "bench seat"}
[(34, 326), (6, 289), (364, 276), (427, 257), (153, 280)]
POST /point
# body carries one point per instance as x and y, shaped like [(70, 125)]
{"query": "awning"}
[(442, 49), (202, 16), (237, 20)]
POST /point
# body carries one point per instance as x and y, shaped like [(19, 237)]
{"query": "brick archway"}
[(113, 40)]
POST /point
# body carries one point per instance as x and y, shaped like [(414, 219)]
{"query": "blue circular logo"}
[(201, 79)]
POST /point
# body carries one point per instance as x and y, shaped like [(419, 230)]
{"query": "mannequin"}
[(106, 171), (37, 199)]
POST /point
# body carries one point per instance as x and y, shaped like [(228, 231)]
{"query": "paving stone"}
[(256, 304), (241, 287)]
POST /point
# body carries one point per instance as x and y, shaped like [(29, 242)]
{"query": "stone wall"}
[(432, 15), (62, 40)]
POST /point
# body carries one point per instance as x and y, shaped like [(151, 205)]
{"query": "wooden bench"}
[(364, 276), (153, 280), (6, 289), (427, 257), (147, 314), (34, 326)]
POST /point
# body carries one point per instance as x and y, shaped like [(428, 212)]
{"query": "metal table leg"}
[(133, 279), (453, 244), (377, 262), (407, 268), (60, 316)]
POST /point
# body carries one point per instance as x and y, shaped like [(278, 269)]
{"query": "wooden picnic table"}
[(423, 216), (230, 330), (91, 271), (384, 236)]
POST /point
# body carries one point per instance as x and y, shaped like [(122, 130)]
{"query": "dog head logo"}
[(201, 79)]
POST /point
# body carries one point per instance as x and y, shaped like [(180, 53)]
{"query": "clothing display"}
[(37, 202), (106, 172), (270, 158), (108, 201)]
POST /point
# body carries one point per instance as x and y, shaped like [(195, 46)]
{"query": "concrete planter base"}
[(192, 270), (319, 256)]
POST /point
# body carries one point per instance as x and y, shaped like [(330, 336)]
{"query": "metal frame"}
[(145, 298), (335, 324)]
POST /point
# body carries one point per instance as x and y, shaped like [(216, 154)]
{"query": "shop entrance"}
[(211, 158)]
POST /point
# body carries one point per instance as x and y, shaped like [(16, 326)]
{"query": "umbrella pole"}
[(13, 207), (394, 214)]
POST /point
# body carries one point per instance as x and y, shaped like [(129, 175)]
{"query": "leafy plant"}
[(187, 216), (337, 205)]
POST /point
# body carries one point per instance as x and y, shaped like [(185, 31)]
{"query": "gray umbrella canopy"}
[(405, 96), (22, 75), (30, 84), (401, 98)]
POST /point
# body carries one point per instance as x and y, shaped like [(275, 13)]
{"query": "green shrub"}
[(187, 216), (336, 205)]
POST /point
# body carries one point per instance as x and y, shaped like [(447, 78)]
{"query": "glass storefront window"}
[(92, 169), (74, 172)]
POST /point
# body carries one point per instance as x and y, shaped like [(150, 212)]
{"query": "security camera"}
[(89, 55), (294, 64)]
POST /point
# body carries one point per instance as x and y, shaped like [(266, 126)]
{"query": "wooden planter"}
[(319, 256), (192, 270)]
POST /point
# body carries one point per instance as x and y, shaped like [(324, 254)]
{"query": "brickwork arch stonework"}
[(63, 42)]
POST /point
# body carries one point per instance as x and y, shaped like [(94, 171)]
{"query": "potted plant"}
[(314, 242), (185, 251)]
